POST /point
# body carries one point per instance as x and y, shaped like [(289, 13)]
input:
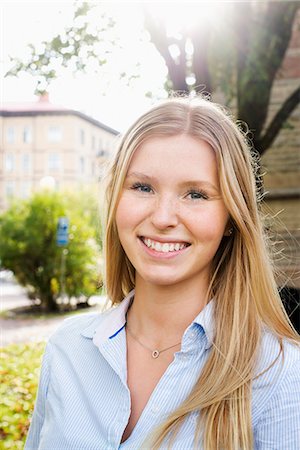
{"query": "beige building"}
[(42, 144)]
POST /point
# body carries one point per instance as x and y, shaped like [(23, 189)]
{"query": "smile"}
[(164, 247)]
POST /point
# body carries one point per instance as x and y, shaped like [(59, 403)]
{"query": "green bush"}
[(20, 366), (29, 249)]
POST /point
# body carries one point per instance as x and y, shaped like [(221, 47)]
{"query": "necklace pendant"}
[(155, 354)]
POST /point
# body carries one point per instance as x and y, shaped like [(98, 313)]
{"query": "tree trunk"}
[(48, 303), (201, 40), (265, 37), (176, 69)]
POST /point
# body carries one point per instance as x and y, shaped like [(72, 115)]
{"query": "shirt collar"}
[(206, 321), (113, 322)]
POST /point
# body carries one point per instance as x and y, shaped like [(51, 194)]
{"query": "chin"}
[(160, 279)]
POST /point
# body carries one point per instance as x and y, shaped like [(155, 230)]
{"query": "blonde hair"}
[(243, 285)]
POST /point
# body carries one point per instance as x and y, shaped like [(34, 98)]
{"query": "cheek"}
[(209, 225)]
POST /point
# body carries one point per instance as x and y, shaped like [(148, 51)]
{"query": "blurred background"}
[(74, 76)]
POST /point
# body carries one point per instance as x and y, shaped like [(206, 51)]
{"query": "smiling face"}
[(171, 217)]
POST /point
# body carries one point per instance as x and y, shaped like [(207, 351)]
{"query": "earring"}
[(230, 231)]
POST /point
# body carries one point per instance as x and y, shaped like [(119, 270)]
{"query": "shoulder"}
[(277, 373), (280, 354)]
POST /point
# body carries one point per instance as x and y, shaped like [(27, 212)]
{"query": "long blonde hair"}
[(243, 285)]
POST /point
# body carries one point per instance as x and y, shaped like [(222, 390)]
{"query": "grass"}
[(19, 373), (20, 367)]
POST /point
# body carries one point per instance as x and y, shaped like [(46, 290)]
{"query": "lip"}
[(162, 255)]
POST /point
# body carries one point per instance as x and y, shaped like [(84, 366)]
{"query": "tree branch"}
[(201, 40), (270, 36), (278, 120), (177, 72)]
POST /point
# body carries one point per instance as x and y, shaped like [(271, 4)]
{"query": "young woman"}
[(199, 352)]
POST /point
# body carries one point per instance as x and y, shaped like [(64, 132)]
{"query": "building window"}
[(81, 164), (9, 162), (10, 136), (27, 135), (82, 137), (26, 162), (9, 189), (54, 134), (102, 153), (54, 163), (26, 189)]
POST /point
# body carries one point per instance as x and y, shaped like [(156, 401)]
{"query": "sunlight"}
[(95, 92), (187, 16)]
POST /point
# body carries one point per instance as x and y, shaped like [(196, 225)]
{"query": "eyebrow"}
[(188, 183)]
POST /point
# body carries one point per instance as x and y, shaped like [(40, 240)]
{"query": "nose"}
[(165, 213)]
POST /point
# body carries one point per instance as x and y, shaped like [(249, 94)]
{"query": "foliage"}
[(29, 249), (240, 54), (78, 48), (87, 204), (19, 379)]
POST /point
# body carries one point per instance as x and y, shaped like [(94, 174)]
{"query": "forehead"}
[(183, 152)]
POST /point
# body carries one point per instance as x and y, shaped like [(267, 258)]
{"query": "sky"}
[(102, 96)]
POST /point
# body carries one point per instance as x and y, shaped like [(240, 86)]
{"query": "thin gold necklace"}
[(155, 353)]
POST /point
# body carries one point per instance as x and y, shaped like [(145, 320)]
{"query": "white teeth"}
[(165, 247), (157, 247)]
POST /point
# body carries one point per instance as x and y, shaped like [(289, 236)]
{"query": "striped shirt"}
[(83, 400)]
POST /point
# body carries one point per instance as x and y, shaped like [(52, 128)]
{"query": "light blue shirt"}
[(83, 400)]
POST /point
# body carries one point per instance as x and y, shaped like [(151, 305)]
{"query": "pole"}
[(63, 274)]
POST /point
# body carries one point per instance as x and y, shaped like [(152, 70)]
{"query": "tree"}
[(29, 249), (241, 55), (78, 46), (243, 58)]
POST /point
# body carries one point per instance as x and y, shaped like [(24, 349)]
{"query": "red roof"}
[(44, 107), (42, 104)]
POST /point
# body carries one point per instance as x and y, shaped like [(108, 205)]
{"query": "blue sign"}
[(62, 233)]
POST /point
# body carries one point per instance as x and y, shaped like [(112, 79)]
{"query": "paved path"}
[(16, 330), (27, 330)]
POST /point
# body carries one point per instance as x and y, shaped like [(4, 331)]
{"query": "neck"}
[(162, 313)]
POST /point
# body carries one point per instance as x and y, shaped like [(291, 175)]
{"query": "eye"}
[(194, 194), (142, 187)]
